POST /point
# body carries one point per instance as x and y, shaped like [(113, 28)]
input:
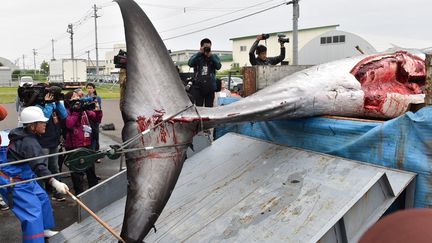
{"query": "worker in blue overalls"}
[(28, 201)]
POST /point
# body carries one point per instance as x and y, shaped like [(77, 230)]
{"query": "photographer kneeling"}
[(261, 52), (79, 133)]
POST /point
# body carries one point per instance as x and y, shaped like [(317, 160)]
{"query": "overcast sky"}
[(28, 24)]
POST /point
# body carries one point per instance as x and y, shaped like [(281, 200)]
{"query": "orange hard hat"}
[(3, 113)]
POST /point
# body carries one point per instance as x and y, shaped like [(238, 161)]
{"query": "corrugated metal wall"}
[(5, 76)]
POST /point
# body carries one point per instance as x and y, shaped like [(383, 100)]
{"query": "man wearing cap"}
[(28, 201)]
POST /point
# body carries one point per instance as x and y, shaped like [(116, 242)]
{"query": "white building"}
[(333, 45), (316, 45), (6, 69), (109, 59)]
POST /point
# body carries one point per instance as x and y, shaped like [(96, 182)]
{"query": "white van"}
[(25, 80)]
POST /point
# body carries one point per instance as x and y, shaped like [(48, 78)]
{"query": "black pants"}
[(202, 99), (78, 179)]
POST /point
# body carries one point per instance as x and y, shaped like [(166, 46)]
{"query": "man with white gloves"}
[(28, 201)]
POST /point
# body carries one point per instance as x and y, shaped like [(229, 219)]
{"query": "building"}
[(333, 45), (91, 67), (181, 59), (109, 59), (6, 70), (316, 45)]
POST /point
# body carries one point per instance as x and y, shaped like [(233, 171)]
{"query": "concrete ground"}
[(65, 213)]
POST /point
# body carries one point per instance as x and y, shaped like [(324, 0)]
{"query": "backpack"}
[(205, 83)]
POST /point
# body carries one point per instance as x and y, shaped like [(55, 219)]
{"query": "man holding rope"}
[(28, 201)]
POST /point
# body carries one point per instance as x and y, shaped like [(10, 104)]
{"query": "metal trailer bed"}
[(242, 189)]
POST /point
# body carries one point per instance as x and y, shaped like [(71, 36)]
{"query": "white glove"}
[(59, 186)]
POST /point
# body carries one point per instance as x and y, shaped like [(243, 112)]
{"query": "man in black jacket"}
[(205, 65), (261, 51)]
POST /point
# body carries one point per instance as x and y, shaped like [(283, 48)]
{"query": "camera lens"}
[(207, 49)]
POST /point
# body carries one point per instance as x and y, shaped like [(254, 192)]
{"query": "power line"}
[(208, 19), (184, 9), (223, 23)]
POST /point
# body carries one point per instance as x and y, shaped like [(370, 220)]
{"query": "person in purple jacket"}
[(79, 134)]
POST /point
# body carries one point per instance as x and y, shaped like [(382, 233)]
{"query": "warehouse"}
[(316, 45), (6, 69)]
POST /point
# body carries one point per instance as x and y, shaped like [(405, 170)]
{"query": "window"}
[(332, 39), (242, 48), (323, 40), (335, 39)]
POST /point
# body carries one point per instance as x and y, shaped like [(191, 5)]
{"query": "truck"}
[(68, 73)]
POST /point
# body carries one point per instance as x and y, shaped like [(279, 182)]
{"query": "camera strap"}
[(86, 119)]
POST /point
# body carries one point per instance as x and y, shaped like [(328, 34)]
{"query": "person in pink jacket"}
[(79, 133)]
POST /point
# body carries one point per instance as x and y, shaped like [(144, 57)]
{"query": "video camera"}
[(120, 59), (83, 105), (265, 36), (31, 95), (207, 50), (283, 39)]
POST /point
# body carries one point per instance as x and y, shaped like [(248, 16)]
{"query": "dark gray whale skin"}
[(153, 90)]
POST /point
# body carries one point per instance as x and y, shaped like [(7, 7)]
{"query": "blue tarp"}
[(402, 143)]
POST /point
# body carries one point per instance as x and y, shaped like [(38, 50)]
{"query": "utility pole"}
[(52, 49), (88, 56), (23, 62), (95, 16), (34, 61), (296, 15), (70, 31)]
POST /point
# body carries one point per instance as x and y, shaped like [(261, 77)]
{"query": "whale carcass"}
[(374, 86)]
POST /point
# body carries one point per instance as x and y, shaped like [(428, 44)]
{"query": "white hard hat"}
[(32, 114)]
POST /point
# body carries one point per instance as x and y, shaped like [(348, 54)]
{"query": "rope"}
[(200, 118), (116, 150), (129, 141), (38, 157), (35, 179), (152, 148)]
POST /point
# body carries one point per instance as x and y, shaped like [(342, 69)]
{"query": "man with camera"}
[(205, 64), (261, 51), (50, 100), (54, 110)]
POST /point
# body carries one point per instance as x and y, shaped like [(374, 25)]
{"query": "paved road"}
[(111, 115), (65, 212)]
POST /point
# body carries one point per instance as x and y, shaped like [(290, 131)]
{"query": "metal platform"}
[(242, 189)]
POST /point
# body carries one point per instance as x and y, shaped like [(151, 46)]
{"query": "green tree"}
[(44, 67)]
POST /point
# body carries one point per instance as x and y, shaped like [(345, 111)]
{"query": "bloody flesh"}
[(399, 72)]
